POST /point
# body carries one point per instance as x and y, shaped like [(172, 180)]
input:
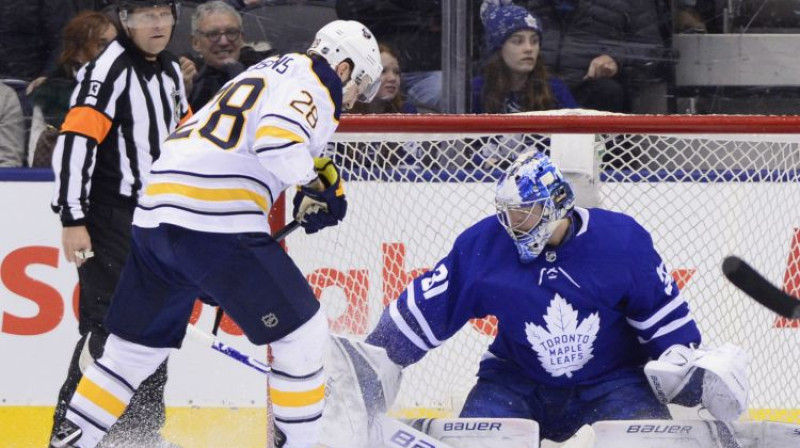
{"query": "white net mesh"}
[(702, 197)]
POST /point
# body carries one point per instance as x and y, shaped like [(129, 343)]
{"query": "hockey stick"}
[(207, 340), (278, 237), (760, 289)]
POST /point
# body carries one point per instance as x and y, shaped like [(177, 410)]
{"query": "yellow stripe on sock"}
[(101, 397), (297, 399)]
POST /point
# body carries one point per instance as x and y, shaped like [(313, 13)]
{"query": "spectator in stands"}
[(30, 36), (12, 131), (390, 98), (602, 49), (514, 80), (85, 37), (514, 77), (217, 38), (414, 29)]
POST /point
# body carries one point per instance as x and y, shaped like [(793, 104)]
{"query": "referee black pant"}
[(110, 231)]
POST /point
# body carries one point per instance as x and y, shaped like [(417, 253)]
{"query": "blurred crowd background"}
[(440, 56)]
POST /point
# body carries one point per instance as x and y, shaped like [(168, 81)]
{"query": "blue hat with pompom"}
[(501, 21)]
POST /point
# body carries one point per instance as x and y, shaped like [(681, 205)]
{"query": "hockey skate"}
[(67, 434)]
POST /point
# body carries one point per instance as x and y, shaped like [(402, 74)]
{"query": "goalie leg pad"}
[(484, 432), (362, 385)]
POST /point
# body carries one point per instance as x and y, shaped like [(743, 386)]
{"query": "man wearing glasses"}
[(217, 38)]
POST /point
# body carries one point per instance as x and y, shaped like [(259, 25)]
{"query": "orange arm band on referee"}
[(188, 115), (87, 121)]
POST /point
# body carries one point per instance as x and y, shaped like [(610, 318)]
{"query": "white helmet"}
[(341, 40)]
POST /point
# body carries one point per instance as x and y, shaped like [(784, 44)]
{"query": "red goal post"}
[(705, 186)]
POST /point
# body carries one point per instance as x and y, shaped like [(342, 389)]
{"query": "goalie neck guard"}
[(530, 198), (348, 40)]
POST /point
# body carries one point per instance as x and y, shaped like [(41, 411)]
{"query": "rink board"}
[(206, 393)]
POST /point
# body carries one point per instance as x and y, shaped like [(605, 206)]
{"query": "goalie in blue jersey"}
[(591, 324)]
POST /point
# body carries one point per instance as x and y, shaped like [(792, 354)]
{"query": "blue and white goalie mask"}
[(531, 197)]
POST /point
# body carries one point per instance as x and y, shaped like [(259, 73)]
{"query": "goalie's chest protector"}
[(562, 317)]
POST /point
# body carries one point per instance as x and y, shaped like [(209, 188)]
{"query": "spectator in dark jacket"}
[(30, 36), (217, 38), (600, 47), (514, 77)]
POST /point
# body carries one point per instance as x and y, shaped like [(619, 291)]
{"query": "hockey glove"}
[(315, 209)]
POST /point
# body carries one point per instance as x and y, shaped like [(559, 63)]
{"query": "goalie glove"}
[(316, 209), (725, 385), (671, 372)]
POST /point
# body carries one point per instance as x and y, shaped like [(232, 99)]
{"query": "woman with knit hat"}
[(514, 76)]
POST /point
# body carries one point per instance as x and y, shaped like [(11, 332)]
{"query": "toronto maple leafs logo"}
[(564, 346)]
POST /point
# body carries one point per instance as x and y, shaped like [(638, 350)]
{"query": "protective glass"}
[(215, 36), (148, 17)]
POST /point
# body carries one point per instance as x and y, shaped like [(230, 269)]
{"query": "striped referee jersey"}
[(120, 112)]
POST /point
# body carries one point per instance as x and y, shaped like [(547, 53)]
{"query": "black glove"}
[(315, 210)]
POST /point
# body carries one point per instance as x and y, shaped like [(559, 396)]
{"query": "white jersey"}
[(222, 170)]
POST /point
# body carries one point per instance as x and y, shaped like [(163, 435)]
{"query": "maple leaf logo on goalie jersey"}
[(564, 346)]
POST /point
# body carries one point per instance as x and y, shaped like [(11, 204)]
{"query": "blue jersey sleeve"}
[(656, 309), (430, 310)]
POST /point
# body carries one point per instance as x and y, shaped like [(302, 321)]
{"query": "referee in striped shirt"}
[(128, 100)]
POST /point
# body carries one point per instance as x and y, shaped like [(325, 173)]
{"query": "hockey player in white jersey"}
[(583, 301), (201, 230)]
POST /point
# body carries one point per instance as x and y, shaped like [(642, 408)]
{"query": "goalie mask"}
[(348, 40), (531, 197)]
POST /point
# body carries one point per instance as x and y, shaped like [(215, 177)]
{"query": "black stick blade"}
[(760, 289)]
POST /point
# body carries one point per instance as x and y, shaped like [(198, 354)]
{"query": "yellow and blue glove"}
[(315, 209)]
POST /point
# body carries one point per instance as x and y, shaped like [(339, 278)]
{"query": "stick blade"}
[(744, 277)]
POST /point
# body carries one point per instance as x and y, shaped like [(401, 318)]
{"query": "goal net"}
[(705, 187)]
